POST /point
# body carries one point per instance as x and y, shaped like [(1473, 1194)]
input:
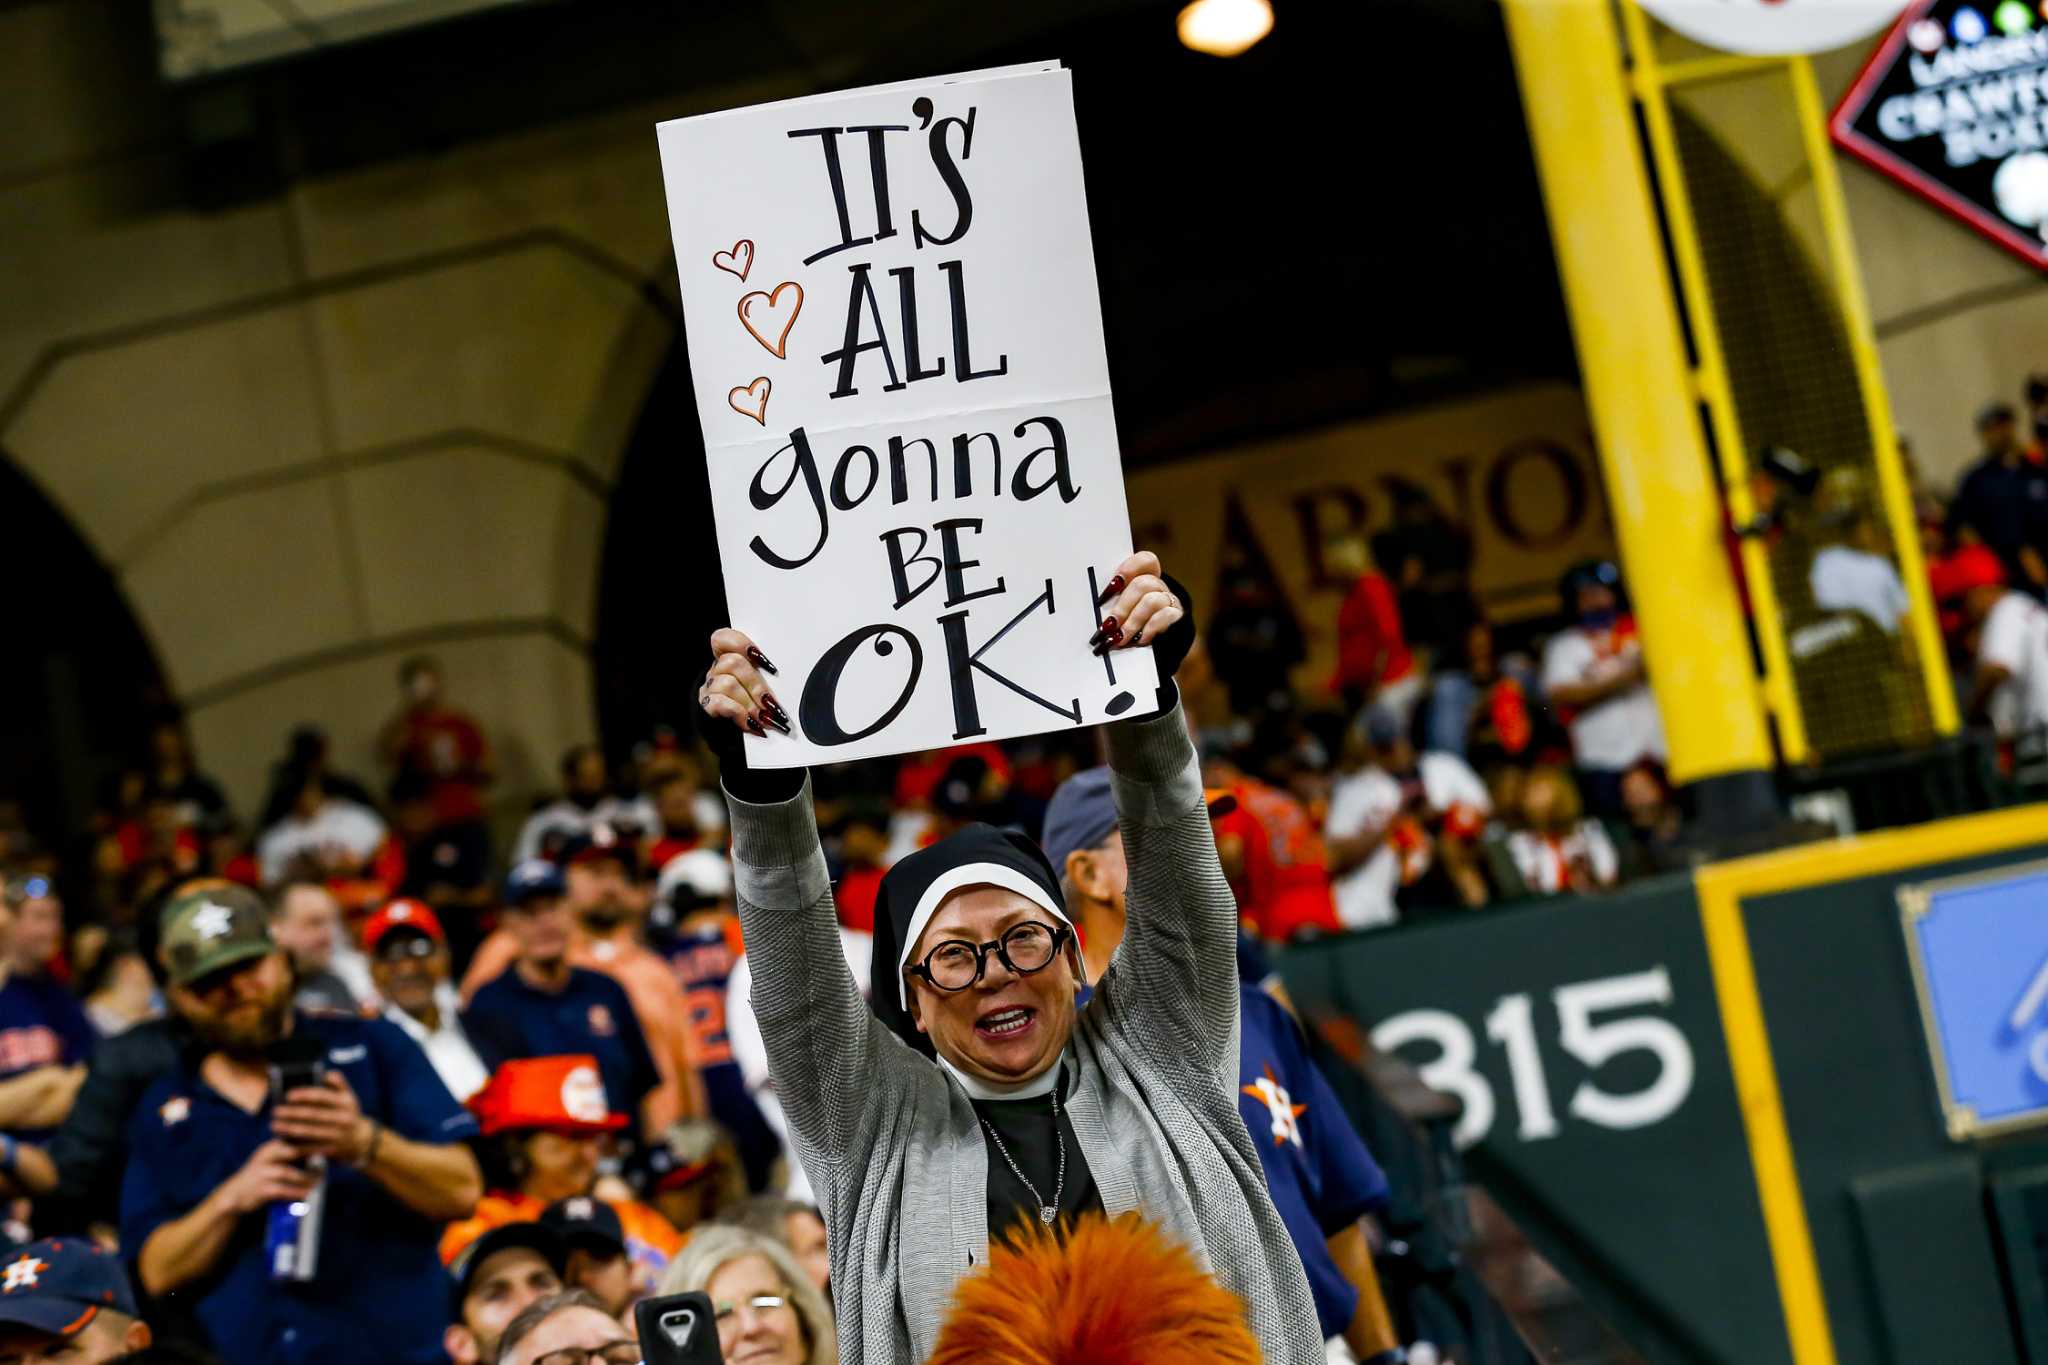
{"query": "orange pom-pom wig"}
[(1111, 1293)]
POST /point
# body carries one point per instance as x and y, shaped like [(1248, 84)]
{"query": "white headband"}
[(968, 874)]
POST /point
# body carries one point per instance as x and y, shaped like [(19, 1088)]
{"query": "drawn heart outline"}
[(773, 312), (738, 261), (751, 400)]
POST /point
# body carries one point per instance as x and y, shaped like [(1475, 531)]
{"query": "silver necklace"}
[(1046, 1212)]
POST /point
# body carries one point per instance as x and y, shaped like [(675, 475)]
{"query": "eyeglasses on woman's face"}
[(618, 1353), (727, 1311), (954, 964)]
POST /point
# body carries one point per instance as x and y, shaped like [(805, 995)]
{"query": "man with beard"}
[(599, 875), (212, 1150)]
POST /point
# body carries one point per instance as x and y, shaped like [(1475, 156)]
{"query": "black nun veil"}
[(911, 890)]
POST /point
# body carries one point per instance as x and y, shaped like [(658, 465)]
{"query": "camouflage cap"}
[(210, 928)]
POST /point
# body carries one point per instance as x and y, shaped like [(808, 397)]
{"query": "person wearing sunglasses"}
[(569, 1328), (408, 951), (767, 1310), (1038, 1108)]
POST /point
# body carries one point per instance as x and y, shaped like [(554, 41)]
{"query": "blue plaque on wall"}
[(1979, 949)]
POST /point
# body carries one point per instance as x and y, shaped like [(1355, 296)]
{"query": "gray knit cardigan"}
[(890, 1142)]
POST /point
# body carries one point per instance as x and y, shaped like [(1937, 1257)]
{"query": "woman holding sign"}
[(979, 1091)]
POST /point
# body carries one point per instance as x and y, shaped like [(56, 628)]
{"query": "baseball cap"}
[(403, 913), (1993, 412), (601, 840), (533, 1237), (1973, 566), (585, 1220), (60, 1284), (686, 1151), (1081, 815), (210, 928), (565, 1094), (700, 877), (531, 878)]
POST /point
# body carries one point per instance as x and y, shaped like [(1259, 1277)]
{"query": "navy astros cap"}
[(60, 1284), (533, 877), (530, 1236), (584, 1220), (1081, 815)]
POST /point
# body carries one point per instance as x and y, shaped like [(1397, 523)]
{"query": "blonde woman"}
[(768, 1313), (1558, 848)]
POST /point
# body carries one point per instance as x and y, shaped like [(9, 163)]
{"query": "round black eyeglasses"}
[(954, 964)]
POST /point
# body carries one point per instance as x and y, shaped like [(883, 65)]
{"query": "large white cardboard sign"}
[(896, 342)]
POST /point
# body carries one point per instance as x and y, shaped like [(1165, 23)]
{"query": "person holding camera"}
[(276, 1118), (980, 1092)]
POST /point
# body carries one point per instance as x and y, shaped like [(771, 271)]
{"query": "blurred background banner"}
[(1507, 482)]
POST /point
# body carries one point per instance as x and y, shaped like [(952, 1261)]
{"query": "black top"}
[(1027, 1130), (2007, 507), (91, 1148)]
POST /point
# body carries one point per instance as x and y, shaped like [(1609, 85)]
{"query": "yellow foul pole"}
[(1639, 388)]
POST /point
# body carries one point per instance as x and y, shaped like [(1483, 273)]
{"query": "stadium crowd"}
[(518, 1085)]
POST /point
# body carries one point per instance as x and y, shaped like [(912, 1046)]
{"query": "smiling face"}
[(1004, 1028), (748, 1335), (407, 967)]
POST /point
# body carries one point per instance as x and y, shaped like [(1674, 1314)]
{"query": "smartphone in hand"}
[(678, 1329)]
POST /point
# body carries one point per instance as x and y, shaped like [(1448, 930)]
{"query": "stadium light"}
[(1224, 28)]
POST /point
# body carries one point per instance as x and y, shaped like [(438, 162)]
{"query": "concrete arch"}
[(298, 488)]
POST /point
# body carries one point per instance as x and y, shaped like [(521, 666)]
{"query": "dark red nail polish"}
[(779, 722), (1111, 589), (772, 706), (760, 660), (1103, 631), (754, 728)]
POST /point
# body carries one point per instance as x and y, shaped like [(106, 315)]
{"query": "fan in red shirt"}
[(430, 737), (1274, 856), (1374, 663)]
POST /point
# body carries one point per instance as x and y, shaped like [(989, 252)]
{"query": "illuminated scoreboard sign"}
[(1954, 106)]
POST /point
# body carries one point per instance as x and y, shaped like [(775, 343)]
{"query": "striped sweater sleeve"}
[(822, 1041), (1177, 966)]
